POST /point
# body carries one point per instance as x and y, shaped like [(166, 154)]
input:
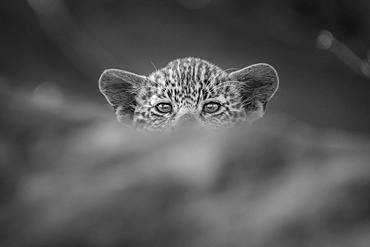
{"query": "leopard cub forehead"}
[(187, 71), (187, 81)]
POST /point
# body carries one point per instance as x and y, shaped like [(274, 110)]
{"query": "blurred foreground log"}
[(274, 184)]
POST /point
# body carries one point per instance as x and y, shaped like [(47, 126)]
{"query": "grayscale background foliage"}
[(70, 175)]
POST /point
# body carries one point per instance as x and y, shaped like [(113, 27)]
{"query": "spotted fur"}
[(188, 84)]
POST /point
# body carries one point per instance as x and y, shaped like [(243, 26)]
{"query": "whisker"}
[(154, 66)]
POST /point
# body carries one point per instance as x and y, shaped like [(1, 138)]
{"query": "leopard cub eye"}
[(164, 107), (211, 107)]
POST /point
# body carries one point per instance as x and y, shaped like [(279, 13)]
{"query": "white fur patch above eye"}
[(154, 100)]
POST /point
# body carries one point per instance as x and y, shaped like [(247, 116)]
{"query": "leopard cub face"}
[(189, 91)]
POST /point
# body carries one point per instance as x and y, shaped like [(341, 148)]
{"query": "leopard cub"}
[(189, 91)]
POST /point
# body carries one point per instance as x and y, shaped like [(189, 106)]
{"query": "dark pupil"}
[(164, 107), (211, 107)]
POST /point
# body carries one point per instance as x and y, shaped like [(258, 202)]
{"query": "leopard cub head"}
[(189, 91)]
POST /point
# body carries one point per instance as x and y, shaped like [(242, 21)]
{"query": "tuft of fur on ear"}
[(258, 83), (120, 88)]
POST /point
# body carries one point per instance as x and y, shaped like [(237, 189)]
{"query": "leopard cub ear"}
[(257, 84), (120, 88)]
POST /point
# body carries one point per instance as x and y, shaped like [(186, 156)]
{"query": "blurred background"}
[(71, 175)]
